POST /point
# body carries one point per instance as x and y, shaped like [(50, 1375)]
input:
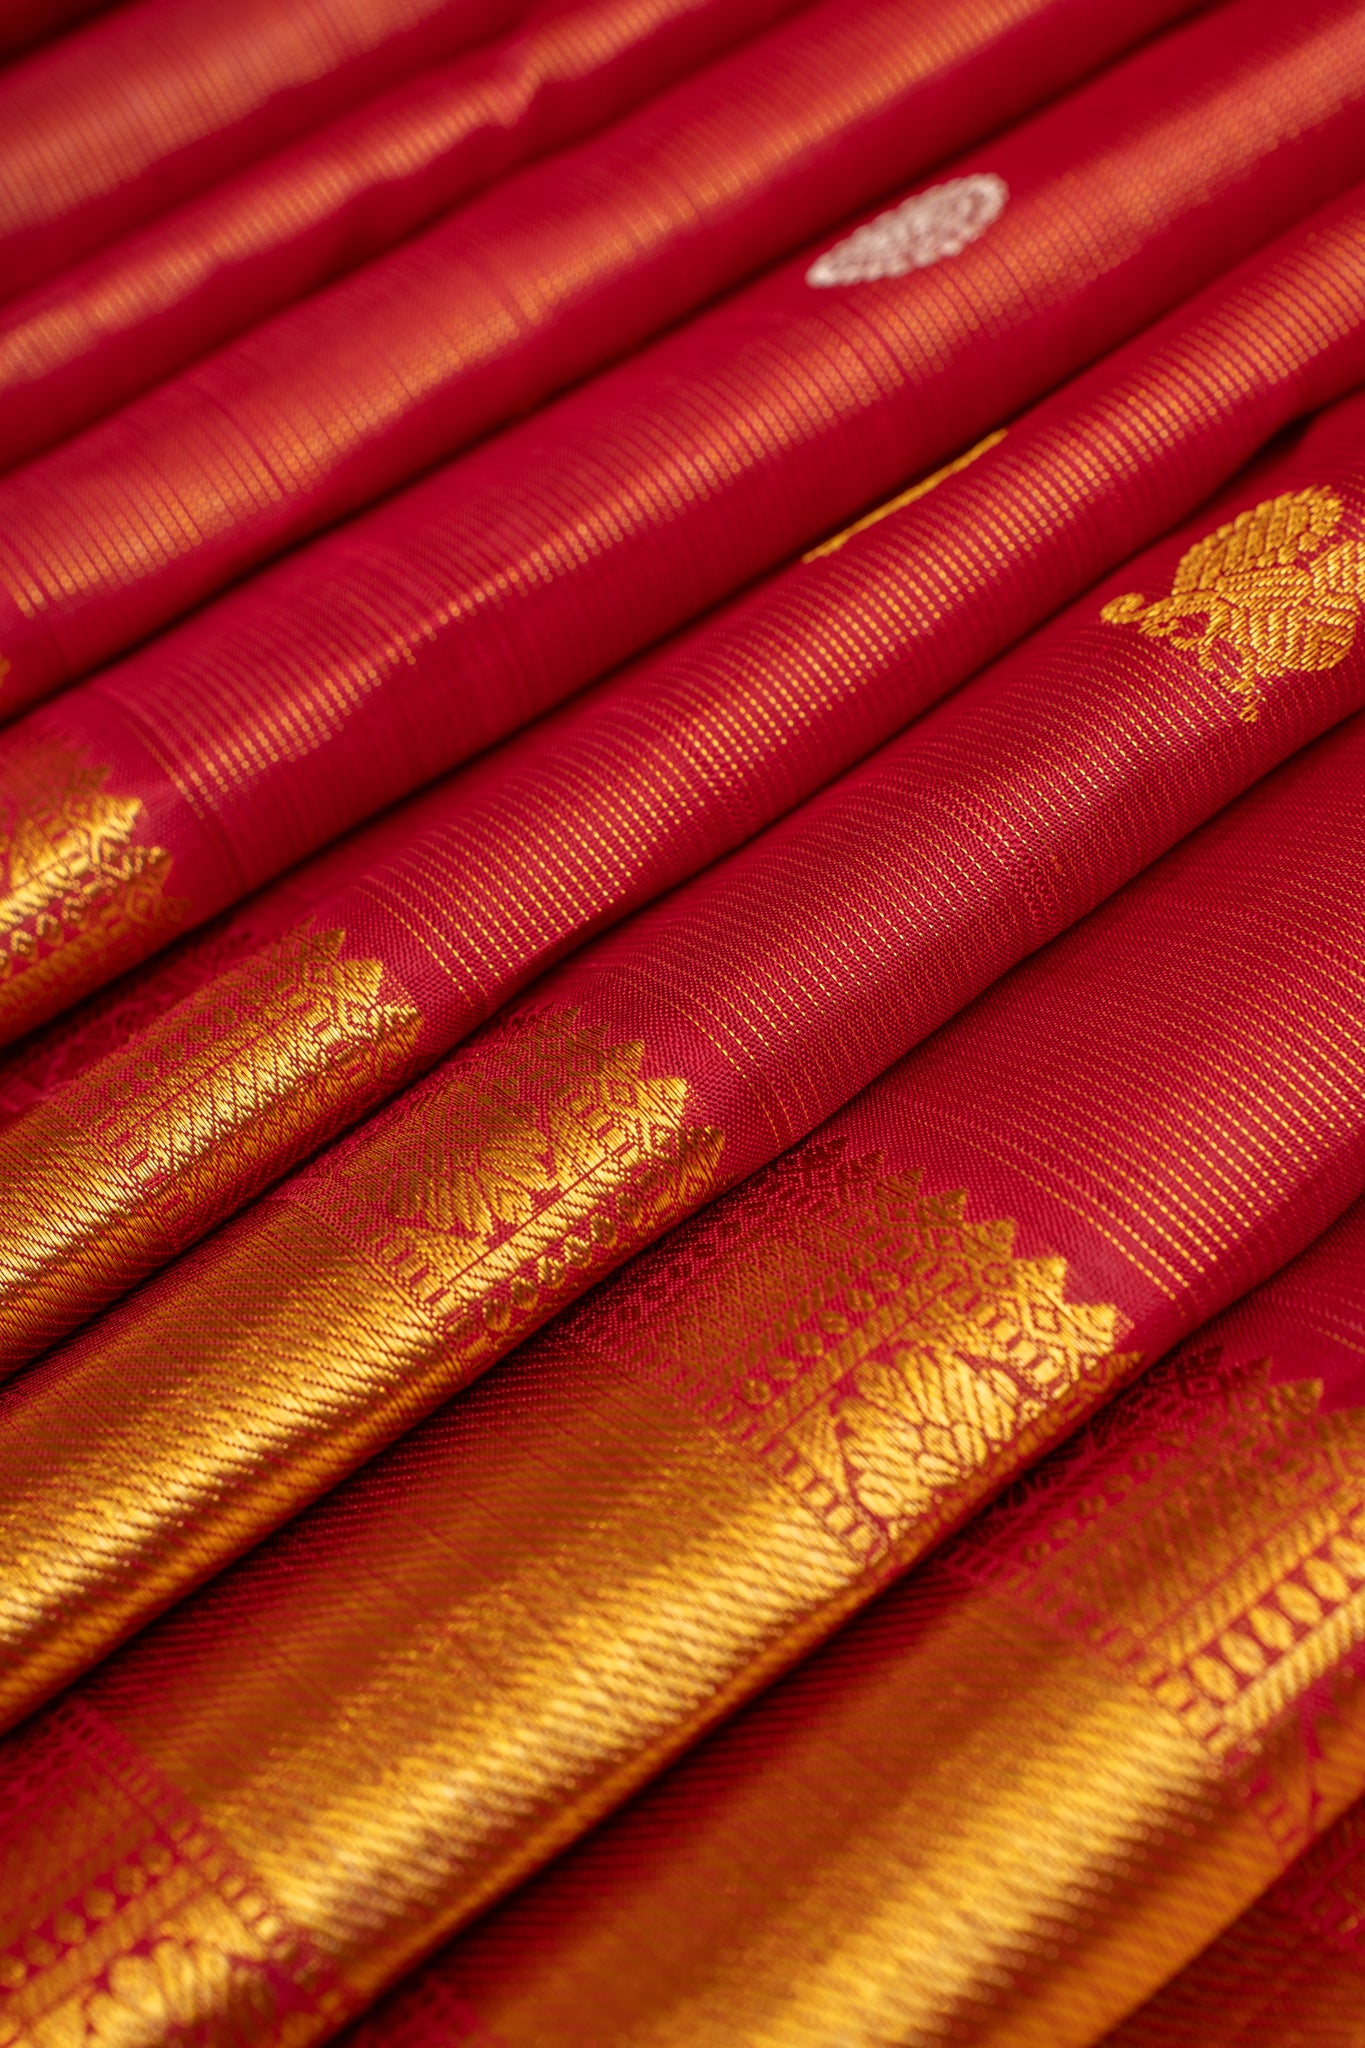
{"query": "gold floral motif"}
[(889, 1358), (511, 1181), (101, 1969), (1268, 590), (82, 900), (207, 1104)]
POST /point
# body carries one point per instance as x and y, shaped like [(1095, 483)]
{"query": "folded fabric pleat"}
[(670, 1057), (383, 654), (172, 1106), (24, 22), (1290, 1973), (369, 1729), (132, 314), (571, 262), (1034, 1779), (131, 113)]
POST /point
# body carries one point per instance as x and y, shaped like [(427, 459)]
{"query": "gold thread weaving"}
[(1274, 599), (295, 1344), (82, 899), (209, 1102)]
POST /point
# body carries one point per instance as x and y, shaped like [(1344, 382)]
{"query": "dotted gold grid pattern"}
[(187, 1122), (1061, 225), (413, 136), (144, 1930), (959, 1824), (83, 895), (195, 77), (269, 1363), (571, 1582)]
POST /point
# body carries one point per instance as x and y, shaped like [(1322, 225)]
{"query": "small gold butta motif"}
[(1261, 597)]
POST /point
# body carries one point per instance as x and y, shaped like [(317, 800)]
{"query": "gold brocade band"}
[(83, 897), (536, 1600), (303, 1338), (268, 1060), (1007, 1804)]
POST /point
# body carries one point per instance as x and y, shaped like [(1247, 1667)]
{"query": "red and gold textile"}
[(24, 22), (135, 313), (1029, 1783), (381, 655), (670, 1057), (284, 1792), (127, 116), (803, 400), (310, 1007), (1290, 1973)]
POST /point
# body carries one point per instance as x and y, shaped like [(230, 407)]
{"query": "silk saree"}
[(682, 1143)]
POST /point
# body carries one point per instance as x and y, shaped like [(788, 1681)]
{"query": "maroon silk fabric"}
[(769, 990), (573, 262), (1171, 1098), (464, 894), (23, 22), (76, 347), (309, 1696), (418, 635), (157, 99)]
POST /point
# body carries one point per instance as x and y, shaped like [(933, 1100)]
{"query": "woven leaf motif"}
[(82, 898), (886, 1354), (1264, 596), (535, 1162)]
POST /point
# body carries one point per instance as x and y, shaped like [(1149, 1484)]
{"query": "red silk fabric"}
[(770, 990), (1138, 1096), (431, 627), (134, 313), (23, 22), (129, 114), (466, 893), (1238, 956), (544, 278)]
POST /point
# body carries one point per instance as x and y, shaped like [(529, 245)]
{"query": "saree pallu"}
[(130, 114), (289, 1788), (315, 1003), (133, 314), (380, 656), (1055, 241), (670, 1057), (1017, 1794)]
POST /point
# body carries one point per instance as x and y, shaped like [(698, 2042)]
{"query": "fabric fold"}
[(1031, 1781), (1290, 1970), (337, 681), (135, 313), (25, 22), (133, 111), (371, 1727), (669, 1058), (174, 1105), (568, 264)]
